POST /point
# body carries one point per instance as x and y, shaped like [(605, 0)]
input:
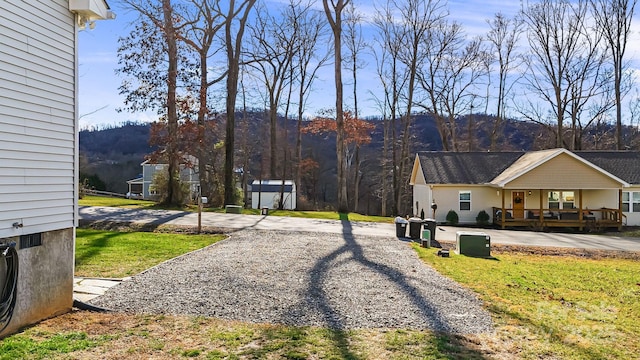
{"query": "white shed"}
[(266, 193), (39, 153)]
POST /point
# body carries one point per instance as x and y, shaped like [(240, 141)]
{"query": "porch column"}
[(619, 212), (504, 215), (540, 213), (580, 209)]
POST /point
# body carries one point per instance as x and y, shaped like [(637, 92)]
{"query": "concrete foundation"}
[(45, 279)]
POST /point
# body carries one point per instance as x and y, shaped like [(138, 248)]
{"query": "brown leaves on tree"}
[(357, 131), (186, 142)]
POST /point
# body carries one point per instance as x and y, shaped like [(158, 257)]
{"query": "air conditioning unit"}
[(477, 244)]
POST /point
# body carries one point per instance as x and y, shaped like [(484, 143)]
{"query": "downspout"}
[(430, 201)]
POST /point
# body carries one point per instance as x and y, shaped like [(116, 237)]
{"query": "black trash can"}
[(431, 225), (415, 228), (401, 229)]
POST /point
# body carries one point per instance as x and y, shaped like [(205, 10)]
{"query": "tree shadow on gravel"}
[(333, 319), (99, 218)]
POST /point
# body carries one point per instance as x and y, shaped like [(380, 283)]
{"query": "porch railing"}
[(544, 218)]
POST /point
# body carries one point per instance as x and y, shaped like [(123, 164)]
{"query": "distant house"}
[(266, 193), (536, 189), (144, 187), (135, 187), (38, 153)]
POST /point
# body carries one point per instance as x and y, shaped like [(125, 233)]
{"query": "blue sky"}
[(98, 86)]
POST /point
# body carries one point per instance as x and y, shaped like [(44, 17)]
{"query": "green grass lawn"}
[(560, 307), (91, 200), (119, 254)]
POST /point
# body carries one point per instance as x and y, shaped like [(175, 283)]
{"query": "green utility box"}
[(426, 238), (477, 244), (233, 209)]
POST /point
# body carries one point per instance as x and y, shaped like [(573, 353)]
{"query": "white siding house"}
[(39, 149)]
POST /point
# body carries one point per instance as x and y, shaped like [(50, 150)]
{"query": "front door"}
[(517, 199)]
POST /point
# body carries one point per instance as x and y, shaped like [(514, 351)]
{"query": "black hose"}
[(84, 306), (9, 292)]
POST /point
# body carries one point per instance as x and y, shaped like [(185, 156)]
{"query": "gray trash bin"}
[(430, 224), (401, 226), (401, 230), (415, 227)]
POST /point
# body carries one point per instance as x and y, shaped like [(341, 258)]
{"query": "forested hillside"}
[(114, 154)]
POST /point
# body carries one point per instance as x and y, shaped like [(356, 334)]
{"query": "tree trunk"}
[(336, 26), (203, 174), (273, 139), (173, 189), (233, 47), (385, 160), (357, 179)]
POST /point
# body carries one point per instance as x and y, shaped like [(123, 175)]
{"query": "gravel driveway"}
[(318, 279)]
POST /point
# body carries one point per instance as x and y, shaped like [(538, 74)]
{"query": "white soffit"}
[(91, 9)]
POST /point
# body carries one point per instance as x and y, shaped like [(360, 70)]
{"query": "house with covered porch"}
[(144, 186), (537, 189)]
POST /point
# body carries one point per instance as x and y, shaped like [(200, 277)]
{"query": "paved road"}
[(443, 233)]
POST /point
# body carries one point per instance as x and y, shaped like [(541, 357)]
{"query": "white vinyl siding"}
[(37, 116)]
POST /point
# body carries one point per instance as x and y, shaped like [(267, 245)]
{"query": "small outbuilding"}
[(266, 193)]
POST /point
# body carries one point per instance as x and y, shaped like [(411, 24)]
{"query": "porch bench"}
[(569, 216), (534, 214), (507, 215)]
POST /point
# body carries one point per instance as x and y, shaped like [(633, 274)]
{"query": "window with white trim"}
[(464, 199), (631, 201), (561, 200)]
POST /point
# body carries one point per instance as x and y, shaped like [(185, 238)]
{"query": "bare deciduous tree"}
[(154, 42), (235, 20), (393, 78), (309, 60), (449, 78), (613, 19), (503, 37), (271, 52), (419, 18), (355, 45), (562, 48), (174, 195), (333, 10), (202, 24)]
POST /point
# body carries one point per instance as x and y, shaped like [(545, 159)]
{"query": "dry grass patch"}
[(122, 336)]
